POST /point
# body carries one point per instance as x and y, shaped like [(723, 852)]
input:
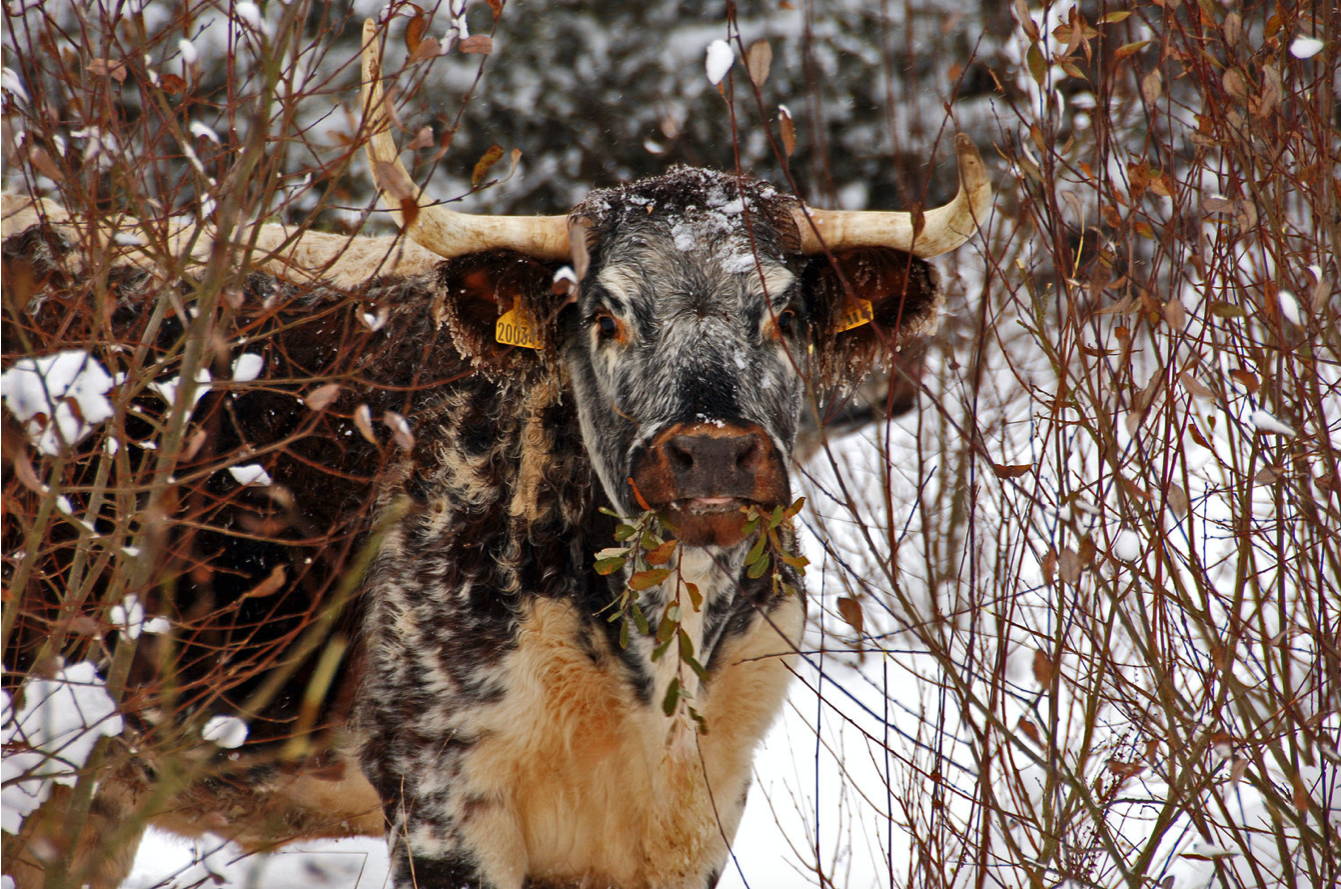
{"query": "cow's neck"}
[(716, 574)]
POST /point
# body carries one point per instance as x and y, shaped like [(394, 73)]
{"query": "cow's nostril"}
[(748, 454), (680, 451)]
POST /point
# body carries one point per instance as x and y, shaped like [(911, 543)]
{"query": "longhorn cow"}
[(567, 649)]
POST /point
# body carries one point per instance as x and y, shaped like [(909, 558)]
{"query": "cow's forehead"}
[(668, 263)]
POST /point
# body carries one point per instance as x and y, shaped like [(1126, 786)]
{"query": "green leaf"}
[(645, 580), (640, 619), (776, 518), (795, 508), (609, 566), (624, 634), (1038, 66), (666, 630), (624, 532), (672, 697), (758, 568), (687, 655), (756, 551)]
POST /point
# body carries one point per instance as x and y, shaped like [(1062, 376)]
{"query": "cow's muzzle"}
[(699, 477)]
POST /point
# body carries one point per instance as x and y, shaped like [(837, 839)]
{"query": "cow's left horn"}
[(943, 229), (443, 231)]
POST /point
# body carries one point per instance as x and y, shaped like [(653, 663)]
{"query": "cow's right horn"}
[(443, 231)]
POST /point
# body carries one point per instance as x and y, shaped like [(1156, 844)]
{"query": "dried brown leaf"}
[(322, 396), (491, 156), (1129, 49), (1044, 668), (477, 44), (1235, 84), (400, 430), (1174, 314), (1247, 379), (271, 585), (108, 68), (363, 421), (414, 32), (430, 48), (852, 614), (1177, 499), (44, 164), (1068, 565), (661, 554), (422, 139), (394, 181), (1011, 471), (787, 127), (758, 60)]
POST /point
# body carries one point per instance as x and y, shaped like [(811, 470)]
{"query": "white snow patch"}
[(250, 474), (188, 51), (739, 263), (1264, 422), (1289, 308), (247, 367), (129, 618), (10, 83), (719, 60), (201, 131), (167, 389), (374, 320), (683, 236), (1127, 546), (225, 731), (167, 860), (51, 735), (1305, 47), (59, 398), (250, 14)]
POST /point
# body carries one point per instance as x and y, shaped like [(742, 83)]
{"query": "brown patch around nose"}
[(699, 475)]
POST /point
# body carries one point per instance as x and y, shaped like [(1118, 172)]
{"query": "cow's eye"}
[(607, 326), (786, 322)]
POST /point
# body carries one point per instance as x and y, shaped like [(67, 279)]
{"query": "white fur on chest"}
[(594, 787)]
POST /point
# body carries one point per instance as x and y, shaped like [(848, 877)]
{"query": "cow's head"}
[(709, 310)]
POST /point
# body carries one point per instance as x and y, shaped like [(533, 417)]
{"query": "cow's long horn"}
[(443, 231), (944, 228)]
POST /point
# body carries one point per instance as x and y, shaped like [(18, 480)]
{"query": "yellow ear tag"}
[(516, 327), (856, 312)]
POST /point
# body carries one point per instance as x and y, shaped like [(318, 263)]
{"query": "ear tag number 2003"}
[(855, 312), (517, 327)]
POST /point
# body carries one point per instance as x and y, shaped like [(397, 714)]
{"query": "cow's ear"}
[(865, 303), (500, 308)]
